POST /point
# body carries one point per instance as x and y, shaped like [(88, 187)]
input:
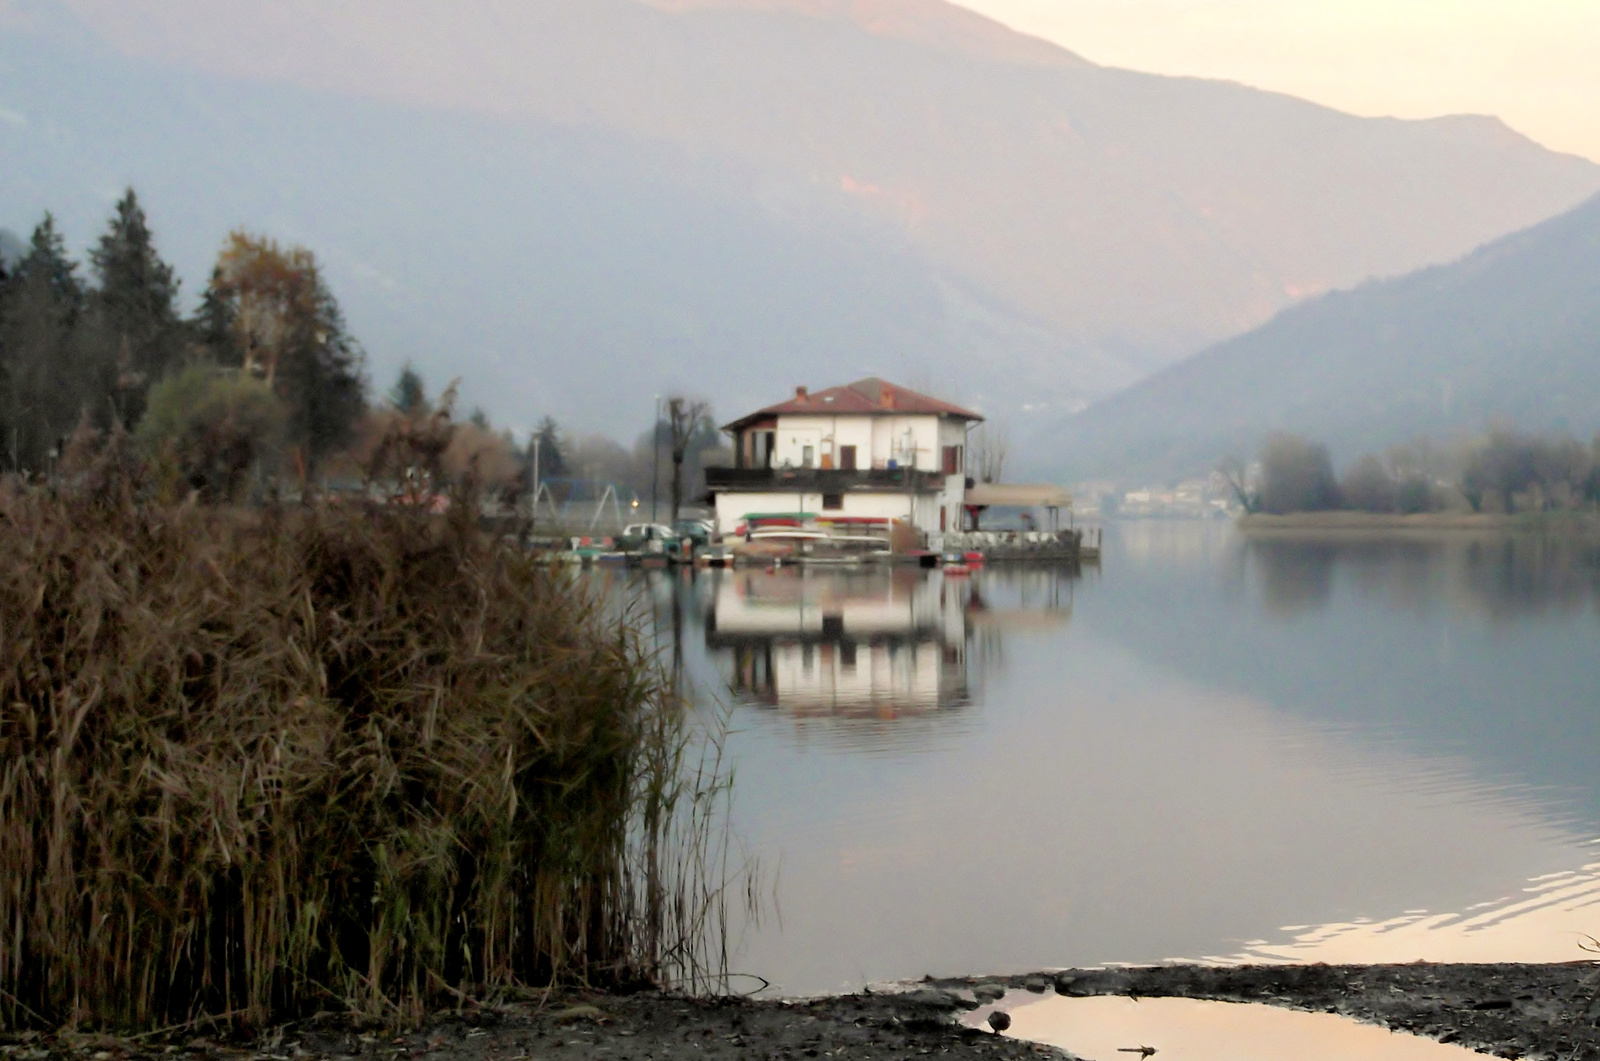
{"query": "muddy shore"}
[(1526, 1011)]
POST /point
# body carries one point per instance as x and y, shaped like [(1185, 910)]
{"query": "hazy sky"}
[(1534, 63)]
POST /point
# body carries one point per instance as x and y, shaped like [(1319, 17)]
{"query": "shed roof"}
[(1019, 495), (866, 397)]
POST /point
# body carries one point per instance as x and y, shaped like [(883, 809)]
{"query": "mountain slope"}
[(742, 194), (1511, 332), (1138, 214), (568, 271)]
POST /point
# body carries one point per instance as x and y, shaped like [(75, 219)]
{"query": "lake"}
[(1352, 750)]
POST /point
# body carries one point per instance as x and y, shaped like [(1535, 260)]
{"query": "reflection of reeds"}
[(255, 765)]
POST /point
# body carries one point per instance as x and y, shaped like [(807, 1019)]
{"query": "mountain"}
[(578, 203), (1509, 333)]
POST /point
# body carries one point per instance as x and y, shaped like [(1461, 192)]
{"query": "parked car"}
[(698, 531), (647, 538)]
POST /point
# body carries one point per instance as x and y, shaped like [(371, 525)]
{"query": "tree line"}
[(1502, 471), (263, 381), (268, 349)]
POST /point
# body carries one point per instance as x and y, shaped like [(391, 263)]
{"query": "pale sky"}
[(1533, 63)]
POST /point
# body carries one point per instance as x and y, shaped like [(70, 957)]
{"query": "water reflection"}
[(879, 643), (1195, 1030), (873, 645), (1500, 577), (1209, 742)]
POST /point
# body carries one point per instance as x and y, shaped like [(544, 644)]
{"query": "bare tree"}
[(686, 418), (1233, 470), (989, 447)]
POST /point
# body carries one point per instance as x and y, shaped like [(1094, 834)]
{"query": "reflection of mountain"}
[(877, 644), (1479, 648)]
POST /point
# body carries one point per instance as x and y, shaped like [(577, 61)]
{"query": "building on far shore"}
[(867, 451)]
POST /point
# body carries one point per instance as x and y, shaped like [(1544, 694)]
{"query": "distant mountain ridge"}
[(1510, 333), (735, 196), (931, 23)]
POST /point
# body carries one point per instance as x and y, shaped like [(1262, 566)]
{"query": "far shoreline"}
[(1421, 524)]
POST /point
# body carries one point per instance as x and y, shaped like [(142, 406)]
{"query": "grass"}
[(256, 764)]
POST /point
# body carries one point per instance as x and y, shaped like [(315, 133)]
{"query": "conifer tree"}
[(135, 307), (214, 323), (552, 452), (409, 394), (47, 260), (48, 374)]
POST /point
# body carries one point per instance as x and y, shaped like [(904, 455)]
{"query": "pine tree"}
[(322, 376), (552, 452), (47, 259), (215, 323), (136, 304), (409, 394), (48, 375)]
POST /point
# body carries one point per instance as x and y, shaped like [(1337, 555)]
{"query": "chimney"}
[(800, 394), (887, 398)]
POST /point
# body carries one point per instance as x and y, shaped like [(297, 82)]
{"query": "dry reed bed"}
[(253, 765)]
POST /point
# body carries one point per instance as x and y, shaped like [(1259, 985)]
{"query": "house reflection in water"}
[(874, 643)]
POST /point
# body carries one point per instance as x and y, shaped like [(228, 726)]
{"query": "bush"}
[(1296, 476), (1509, 471), (1368, 487), (257, 765), (211, 426)]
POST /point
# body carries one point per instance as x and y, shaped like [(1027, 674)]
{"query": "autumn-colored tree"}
[(283, 326)]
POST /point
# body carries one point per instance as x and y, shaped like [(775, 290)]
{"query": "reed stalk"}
[(254, 764)]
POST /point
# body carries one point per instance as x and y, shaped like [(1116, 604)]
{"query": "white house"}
[(869, 450)]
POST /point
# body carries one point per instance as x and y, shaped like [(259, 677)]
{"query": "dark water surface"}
[(1344, 750)]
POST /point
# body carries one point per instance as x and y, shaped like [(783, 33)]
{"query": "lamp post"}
[(534, 523), (655, 458)]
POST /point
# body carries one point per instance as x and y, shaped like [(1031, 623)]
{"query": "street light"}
[(534, 523)]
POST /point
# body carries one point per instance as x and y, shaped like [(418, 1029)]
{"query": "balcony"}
[(822, 480)]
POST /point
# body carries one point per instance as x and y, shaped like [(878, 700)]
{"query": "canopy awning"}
[(1019, 495)]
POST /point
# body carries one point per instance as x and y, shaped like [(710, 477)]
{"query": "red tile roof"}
[(866, 397)]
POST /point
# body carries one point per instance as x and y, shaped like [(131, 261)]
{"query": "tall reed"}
[(253, 764)]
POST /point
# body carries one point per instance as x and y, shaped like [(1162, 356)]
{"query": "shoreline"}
[(1531, 1011), (1423, 524)]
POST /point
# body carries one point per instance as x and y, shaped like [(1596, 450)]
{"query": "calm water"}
[(1209, 748)]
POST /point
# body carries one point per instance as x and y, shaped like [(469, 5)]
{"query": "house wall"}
[(921, 509), (914, 440)]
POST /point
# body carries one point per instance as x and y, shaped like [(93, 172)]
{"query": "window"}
[(952, 460), (832, 502), (808, 454), (847, 655), (847, 458)]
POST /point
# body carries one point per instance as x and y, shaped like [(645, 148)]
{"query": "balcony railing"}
[(821, 480)]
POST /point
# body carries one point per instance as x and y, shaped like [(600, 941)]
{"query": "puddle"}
[(1186, 1029)]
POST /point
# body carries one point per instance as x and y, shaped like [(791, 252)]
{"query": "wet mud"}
[(1518, 1011)]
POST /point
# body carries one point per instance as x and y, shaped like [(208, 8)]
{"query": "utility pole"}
[(655, 459), (535, 523)]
